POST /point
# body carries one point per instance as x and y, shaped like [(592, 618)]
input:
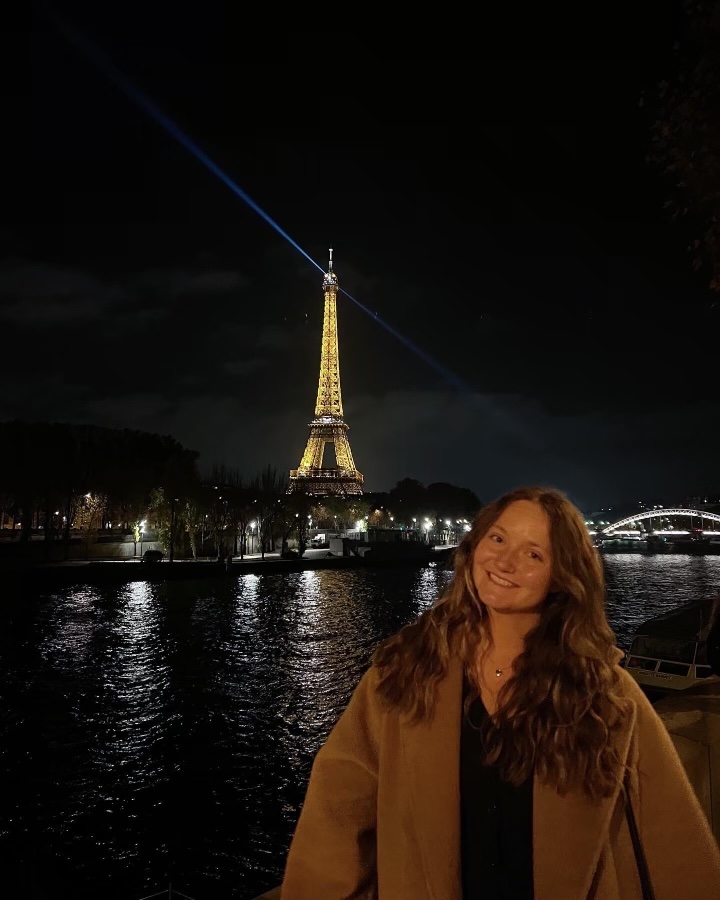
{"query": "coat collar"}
[(569, 828)]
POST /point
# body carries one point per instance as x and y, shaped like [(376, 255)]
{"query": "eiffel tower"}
[(328, 426)]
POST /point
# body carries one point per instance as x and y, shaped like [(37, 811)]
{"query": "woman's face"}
[(512, 563)]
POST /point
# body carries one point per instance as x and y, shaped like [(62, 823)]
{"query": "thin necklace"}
[(499, 671)]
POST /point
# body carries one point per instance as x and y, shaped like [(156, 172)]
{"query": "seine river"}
[(163, 733)]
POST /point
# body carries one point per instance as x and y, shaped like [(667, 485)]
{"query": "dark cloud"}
[(41, 294), (38, 293), (179, 282)]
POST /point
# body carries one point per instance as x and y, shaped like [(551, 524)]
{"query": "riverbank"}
[(120, 571)]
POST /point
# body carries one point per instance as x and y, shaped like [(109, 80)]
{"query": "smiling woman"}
[(497, 749)]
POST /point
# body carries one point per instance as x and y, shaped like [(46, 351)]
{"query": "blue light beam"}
[(100, 59), (103, 62), (449, 376)]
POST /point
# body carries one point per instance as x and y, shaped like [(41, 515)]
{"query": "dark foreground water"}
[(164, 733)]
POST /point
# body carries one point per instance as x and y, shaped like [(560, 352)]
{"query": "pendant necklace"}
[(499, 671)]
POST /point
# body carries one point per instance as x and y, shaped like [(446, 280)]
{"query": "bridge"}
[(629, 525)]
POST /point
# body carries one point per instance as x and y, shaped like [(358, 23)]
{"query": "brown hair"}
[(556, 713)]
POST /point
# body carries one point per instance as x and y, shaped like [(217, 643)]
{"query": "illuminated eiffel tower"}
[(328, 426)]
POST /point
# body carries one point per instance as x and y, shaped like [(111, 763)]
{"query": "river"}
[(157, 733)]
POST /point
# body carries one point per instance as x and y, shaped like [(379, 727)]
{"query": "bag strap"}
[(647, 889)]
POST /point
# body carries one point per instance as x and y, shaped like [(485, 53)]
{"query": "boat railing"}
[(668, 666)]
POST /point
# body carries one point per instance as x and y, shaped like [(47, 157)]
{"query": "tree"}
[(240, 511), (24, 451), (685, 136), (218, 518), (166, 511), (7, 504), (380, 518), (88, 515), (294, 514), (357, 510), (179, 481), (270, 487), (409, 500), (193, 518), (47, 469), (336, 512), (447, 500)]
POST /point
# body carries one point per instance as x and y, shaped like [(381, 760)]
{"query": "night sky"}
[(498, 214)]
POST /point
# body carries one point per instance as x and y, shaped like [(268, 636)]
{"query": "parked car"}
[(152, 556)]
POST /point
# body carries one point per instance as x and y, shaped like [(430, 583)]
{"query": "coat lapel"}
[(569, 834), (432, 753)]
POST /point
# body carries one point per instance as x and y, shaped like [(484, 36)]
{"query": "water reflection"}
[(165, 732), (640, 587)]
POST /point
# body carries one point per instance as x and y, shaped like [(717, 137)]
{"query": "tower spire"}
[(328, 426)]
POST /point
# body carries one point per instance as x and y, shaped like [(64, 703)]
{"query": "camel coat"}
[(381, 817)]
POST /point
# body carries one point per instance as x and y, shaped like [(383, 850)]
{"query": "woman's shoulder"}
[(368, 694), (630, 689), (647, 720), (370, 680)]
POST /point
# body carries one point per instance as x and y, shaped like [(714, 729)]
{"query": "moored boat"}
[(669, 652)]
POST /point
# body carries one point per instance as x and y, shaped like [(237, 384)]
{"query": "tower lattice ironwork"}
[(328, 426)]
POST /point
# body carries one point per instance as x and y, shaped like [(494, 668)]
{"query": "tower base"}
[(325, 482)]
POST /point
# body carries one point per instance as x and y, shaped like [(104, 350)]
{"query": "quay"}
[(113, 571)]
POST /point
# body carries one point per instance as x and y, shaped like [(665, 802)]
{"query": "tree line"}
[(65, 479)]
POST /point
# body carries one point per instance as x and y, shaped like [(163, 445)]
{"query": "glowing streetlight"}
[(252, 536)]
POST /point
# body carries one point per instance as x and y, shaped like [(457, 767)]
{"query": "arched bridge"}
[(629, 521)]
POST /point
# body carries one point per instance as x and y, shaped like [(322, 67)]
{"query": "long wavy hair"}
[(556, 714)]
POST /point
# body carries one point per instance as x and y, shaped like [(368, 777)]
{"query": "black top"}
[(495, 823)]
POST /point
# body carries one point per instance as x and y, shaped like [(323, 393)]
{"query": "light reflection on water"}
[(159, 732)]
